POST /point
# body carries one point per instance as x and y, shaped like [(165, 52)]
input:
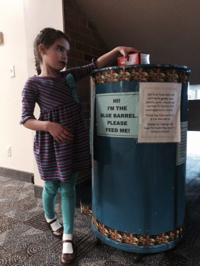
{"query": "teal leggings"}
[(68, 201)]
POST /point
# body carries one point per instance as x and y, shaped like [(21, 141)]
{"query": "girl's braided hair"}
[(47, 37)]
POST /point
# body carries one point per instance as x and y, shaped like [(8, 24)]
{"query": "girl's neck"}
[(48, 71)]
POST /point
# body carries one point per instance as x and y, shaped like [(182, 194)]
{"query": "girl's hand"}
[(107, 58), (60, 132), (124, 50)]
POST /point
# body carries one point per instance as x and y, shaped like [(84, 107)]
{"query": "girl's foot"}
[(55, 227), (67, 255)]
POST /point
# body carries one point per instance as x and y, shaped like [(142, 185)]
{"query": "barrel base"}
[(137, 248)]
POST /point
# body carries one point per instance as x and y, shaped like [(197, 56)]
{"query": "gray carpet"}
[(25, 239)]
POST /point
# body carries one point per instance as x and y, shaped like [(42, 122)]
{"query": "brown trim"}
[(137, 73), (138, 239), (129, 238)]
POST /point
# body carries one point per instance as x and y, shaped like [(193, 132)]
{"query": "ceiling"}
[(168, 30)]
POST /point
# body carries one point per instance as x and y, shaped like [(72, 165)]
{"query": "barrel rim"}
[(167, 66)]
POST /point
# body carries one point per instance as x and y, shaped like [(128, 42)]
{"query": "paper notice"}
[(159, 119), (117, 114)]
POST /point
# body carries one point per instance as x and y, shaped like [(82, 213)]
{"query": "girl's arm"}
[(102, 61), (107, 58), (36, 125), (60, 132)]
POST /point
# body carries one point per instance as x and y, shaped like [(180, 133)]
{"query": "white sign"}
[(117, 114), (159, 119), (182, 146)]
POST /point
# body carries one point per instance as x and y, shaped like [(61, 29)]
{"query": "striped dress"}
[(58, 161)]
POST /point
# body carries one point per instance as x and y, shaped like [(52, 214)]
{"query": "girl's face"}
[(55, 58)]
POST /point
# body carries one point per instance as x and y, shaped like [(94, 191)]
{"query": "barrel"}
[(138, 147)]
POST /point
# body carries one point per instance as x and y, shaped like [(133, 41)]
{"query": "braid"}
[(38, 58), (37, 66), (47, 37)]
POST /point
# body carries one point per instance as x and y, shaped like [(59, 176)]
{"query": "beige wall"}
[(13, 52), (20, 22)]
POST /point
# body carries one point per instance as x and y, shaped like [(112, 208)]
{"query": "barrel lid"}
[(145, 66)]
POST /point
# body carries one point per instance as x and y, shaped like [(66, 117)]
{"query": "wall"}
[(20, 22), (13, 52), (168, 30), (85, 43)]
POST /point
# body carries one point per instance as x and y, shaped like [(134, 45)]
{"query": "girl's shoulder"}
[(29, 88), (36, 80), (30, 82)]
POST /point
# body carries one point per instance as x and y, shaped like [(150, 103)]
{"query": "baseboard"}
[(82, 179), (79, 183), (16, 174)]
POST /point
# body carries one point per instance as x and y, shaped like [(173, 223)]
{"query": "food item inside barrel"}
[(134, 59)]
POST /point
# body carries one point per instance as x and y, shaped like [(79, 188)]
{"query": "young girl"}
[(61, 144)]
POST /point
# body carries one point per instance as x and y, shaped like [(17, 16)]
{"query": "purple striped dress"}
[(58, 161)]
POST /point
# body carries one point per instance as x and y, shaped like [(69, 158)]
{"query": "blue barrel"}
[(138, 189)]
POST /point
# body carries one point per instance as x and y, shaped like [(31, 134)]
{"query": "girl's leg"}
[(68, 201), (49, 193)]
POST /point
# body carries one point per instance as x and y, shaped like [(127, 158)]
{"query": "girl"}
[(61, 144)]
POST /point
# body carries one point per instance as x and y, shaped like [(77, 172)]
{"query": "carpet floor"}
[(25, 239)]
